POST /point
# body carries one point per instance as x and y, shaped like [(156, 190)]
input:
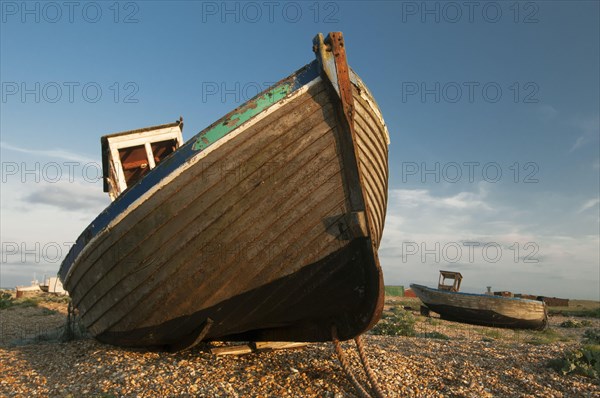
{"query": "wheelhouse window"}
[(134, 162)]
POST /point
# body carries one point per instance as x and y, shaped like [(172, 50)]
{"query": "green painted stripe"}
[(245, 113)]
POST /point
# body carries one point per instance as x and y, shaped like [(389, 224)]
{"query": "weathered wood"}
[(174, 228), (232, 350), (151, 219), (278, 345), (114, 167), (270, 230), (484, 309), (243, 349), (216, 240), (371, 138), (193, 339)]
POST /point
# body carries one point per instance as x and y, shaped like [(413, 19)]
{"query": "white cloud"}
[(426, 232), (589, 128), (43, 219), (68, 196), (51, 153), (412, 198), (589, 204)]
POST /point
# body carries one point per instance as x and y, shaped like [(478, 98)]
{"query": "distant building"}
[(555, 301), (394, 291)]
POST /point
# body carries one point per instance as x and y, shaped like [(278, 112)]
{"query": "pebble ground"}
[(474, 362)]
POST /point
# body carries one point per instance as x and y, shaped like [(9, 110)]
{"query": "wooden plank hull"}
[(481, 309), (249, 237)]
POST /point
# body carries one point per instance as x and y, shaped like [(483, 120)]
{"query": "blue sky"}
[(468, 90)]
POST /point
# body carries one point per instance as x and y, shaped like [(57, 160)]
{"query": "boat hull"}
[(297, 307), (246, 235), (484, 310)]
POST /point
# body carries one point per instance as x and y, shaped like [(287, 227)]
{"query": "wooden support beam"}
[(256, 347), (278, 345), (232, 350)]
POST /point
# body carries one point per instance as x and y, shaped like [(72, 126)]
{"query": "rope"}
[(69, 333), (367, 368), (346, 365)]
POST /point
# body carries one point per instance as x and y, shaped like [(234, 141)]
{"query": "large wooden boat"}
[(482, 309), (264, 226)]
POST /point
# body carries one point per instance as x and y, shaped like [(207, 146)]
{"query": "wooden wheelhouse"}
[(130, 155), (454, 277)]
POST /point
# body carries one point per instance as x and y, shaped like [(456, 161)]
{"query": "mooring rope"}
[(68, 333), (367, 368), (346, 366)]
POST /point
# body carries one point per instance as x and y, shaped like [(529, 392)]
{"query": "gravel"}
[(469, 364)]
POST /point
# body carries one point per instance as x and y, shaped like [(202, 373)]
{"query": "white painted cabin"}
[(130, 155)]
